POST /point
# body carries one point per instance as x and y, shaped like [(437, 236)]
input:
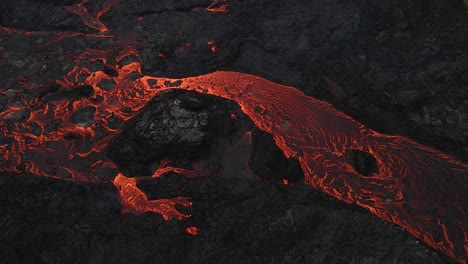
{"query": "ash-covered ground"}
[(399, 67)]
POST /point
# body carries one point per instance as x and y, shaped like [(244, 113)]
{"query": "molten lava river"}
[(413, 186)]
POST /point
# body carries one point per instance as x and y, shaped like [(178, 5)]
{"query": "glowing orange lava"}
[(135, 201), (90, 20), (192, 230), (212, 46), (218, 6)]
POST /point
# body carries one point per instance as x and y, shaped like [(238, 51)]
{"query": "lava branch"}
[(53, 36), (135, 201), (90, 20)]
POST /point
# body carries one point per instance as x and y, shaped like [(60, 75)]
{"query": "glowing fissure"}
[(218, 6), (416, 187), (90, 20), (53, 35)]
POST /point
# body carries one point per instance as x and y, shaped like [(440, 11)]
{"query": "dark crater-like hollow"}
[(362, 162), (268, 161), (187, 127)]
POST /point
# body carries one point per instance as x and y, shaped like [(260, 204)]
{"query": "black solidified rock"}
[(268, 162), (79, 92), (84, 117), (179, 125), (363, 162)]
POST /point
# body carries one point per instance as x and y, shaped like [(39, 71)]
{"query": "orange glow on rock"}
[(218, 6), (90, 20), (212, 46), (192, 230)]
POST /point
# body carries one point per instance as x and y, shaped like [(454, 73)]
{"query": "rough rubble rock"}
[(213, 132), (179, 125), (84, 117)]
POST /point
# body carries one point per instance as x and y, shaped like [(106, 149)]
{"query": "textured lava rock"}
[(180, 125), (84, 117)]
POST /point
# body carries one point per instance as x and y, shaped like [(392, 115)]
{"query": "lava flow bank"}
[(401, 181)]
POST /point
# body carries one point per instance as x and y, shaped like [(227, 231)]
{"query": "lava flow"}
[(218, 6), (413, 186), (90, 20)]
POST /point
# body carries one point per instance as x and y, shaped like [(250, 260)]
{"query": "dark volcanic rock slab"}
[(53, 221), (183, 126), (268, 161)]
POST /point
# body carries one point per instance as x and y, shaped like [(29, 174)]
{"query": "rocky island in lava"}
[(233, 131)]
